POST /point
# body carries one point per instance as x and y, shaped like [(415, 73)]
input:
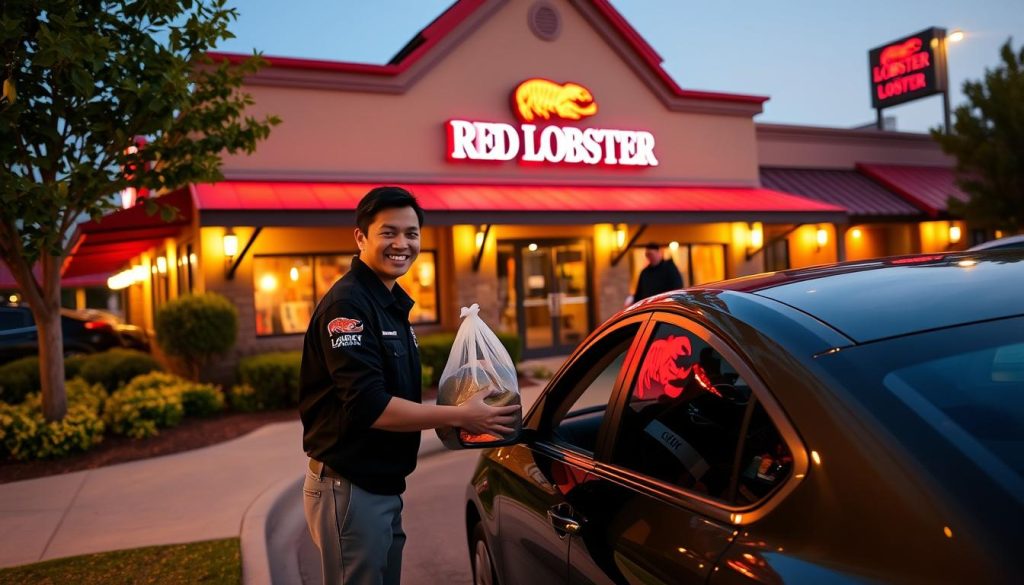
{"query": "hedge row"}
[(111, 369)]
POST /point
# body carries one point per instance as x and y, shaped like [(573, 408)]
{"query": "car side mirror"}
[(467, 441)]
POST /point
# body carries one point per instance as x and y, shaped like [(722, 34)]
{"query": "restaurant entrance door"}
[(547, 282)]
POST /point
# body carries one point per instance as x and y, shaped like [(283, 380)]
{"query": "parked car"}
[(85, 331), (1007, 242), (853, 423)]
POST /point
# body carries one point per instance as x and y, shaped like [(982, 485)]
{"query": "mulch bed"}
[(192, 433)]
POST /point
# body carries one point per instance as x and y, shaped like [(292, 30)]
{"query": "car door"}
[(666, 496), (537, 493)]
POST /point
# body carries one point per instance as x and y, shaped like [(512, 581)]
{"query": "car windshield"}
[(975, 397)]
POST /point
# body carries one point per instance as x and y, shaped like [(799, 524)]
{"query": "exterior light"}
[(161, 265), (13, 299), (954, 234), (856, 233), (956, 36), (139, 273), (620, 236), (822, 238), (230, 244), (532, 247), (294, 274), (756, 236), (192, 259), (480, 235)]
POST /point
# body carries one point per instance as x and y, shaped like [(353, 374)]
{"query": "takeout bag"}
[(477, 363)]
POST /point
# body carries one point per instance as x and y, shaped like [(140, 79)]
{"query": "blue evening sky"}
[(809, 56)]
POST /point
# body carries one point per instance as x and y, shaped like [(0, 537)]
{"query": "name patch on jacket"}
[(347, 331), (347, 340)]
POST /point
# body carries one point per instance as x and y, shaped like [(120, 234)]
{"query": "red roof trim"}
[(458, 13), (910, 183)]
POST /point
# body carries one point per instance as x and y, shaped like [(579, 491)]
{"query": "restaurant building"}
[(547, 146)]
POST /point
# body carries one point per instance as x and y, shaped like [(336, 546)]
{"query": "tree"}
[(988, 143), (82, 79)]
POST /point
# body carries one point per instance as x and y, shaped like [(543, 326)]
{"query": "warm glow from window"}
[(268, 283), (954, 234), (230, 244), (856, 233), (822, 237), (293, 274), (139, 272)]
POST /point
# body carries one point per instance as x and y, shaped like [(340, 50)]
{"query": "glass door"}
[(553, 303)]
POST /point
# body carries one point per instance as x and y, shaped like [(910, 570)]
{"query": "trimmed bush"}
[(435, 347), (154, 381), (196, 328), (274, 378), (243, 398), (139, 413), (73, 365), (200, 399), (18, 379), (25, 434), (90, 395), (114, 368)]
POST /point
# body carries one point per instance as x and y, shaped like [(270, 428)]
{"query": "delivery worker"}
[(359, 400), (660, 275)]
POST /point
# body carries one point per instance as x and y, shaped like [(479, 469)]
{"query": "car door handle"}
[(562, 523)]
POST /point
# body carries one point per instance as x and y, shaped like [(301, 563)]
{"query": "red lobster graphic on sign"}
[(344, 325)]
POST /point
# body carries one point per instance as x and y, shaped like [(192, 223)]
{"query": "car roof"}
[(889, 297), (1007, 242)]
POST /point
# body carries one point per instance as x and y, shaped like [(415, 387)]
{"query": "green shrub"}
[(243, 398), (73, 365), (92, 396), (200, 399), (195, 328), (273, 376), (139, 413), (435, 347), (25, 434), (154, 381), (19, 378), (115, 367), (426, 376)]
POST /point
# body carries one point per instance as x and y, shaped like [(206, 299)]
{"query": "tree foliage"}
[(988, 143), (82, 79)]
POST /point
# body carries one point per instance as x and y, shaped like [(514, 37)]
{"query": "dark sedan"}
[(85, 331), (854, 423)]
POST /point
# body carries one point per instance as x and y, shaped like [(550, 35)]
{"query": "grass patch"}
[(213, 561)]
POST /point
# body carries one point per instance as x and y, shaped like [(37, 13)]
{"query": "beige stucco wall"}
[(337, 134), (837, 148)]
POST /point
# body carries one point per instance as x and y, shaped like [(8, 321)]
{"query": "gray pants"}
[(359, 534)]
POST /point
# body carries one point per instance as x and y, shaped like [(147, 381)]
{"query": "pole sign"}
[(908, 69), (537, 101)]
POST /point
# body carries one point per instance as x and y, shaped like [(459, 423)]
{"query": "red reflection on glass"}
[(917, 259), (660, 368)]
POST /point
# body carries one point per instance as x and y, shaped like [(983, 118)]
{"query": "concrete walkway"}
[(186, 497)]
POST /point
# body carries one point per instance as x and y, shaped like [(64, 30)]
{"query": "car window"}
[(14, 319), (687, 409), (587, 387)]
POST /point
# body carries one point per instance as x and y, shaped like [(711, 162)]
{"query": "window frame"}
[(312, 256), (738, 515)]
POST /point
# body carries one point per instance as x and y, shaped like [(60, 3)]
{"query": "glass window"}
[(590, 383), (287, 288), (185, 260), (697, 263), (283, 289), (685, 415)]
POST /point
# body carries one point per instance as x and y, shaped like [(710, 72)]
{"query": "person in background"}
[(660, 275), (359, 400)]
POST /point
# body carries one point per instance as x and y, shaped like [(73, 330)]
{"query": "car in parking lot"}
[(84, 331), (1007, 242), (852, 423)]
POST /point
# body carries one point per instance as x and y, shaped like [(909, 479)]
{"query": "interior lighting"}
[(954, 234), (999, 234), (139, 272), (161, 265), (192, 259), (822, 238), (230, 244), (856, 233), (532, 247), (673, 245), (268, 283)]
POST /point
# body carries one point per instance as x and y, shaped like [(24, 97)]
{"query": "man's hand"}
[(479, 418)]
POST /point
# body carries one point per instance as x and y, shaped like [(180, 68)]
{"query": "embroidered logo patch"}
[(346, 340), (415, 341), (342, 325)]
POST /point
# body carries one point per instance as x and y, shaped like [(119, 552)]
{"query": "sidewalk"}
[(186, 497)]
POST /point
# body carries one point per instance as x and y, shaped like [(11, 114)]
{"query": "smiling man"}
[(359, 400)]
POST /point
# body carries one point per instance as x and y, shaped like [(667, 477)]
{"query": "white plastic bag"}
[(477, 363)]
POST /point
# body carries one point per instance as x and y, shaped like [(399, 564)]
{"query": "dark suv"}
[(85, 331)]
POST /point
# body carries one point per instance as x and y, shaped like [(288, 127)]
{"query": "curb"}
[(265, 532)]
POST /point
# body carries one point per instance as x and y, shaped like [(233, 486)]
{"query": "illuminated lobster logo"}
[(894, 53), (542, 98), (344, 325)]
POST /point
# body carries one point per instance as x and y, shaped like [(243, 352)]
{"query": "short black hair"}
[(652, 246), (387, 197)]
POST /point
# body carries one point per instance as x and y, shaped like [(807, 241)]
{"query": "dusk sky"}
[(808, 56)]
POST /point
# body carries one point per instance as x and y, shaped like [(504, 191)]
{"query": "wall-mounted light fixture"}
[(856, 233), (822, 238), (954, 234), (480, 239), (230, 244), (161, 265), (620, 236), (755, 237)]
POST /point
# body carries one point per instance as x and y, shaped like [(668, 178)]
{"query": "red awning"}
[(927, 188), (105, 246), (7, 281), (283, 196), (864, 198)]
